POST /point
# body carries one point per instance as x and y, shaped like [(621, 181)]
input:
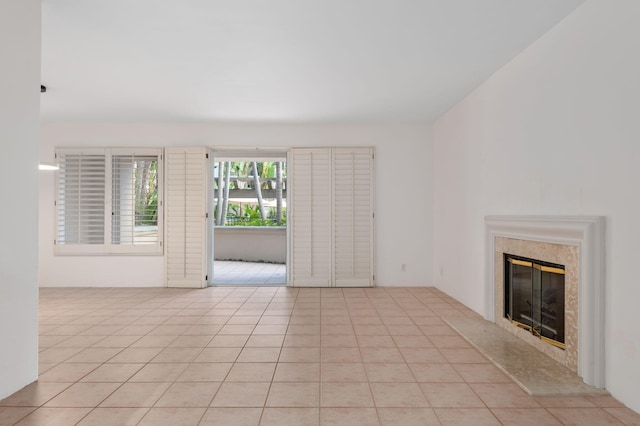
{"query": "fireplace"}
[(575, 244), (534, 297)]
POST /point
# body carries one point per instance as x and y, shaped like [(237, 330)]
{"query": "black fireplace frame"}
[(529, 322)]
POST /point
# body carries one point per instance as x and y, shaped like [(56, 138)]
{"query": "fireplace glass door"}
[(534, 297)]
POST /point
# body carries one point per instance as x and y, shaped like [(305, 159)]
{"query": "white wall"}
[(19, 135), (251, 243), (403, 191), (554, 132)]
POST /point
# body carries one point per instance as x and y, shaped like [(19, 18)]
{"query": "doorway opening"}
[(248, 223)]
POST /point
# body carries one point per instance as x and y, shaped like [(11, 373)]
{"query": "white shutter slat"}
[(185, 200), (353, 217)]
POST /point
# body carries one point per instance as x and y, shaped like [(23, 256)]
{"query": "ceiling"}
[(278, 61)]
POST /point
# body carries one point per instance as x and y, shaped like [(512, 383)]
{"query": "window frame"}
[(107, 248)]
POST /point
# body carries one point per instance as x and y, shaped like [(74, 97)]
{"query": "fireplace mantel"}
[(588, 234)]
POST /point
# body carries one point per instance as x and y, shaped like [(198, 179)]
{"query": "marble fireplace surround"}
[(567, 237)]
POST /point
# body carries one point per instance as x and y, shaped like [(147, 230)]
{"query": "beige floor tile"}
[(83, 395), (422, 356), (116, 341), (205, 372), (54, 416), (352, 416), (449, 342), (503, 395), (252, 372), (189, 394), (172, 416), (463, 356), (294, 394), (265, 341), (334, 394), (202, 329), (116, 373), (259, 355), (229, 341), (451, 395), (412, 342), (366, 320), (389, 372), (340, 355), (160, 372), (337, 330), (466, 417), (436, 373), (404, 330), (564, 402), (437, 329), (584, 416), (301, 341), (605, 401), (56, 355), (339, 341), (379, 355), (199, 341), (79, 341), (376, 342), (398, 395), (625, 415), (232, 417), (343, 372), (241, 394), (300, 355), (407, 416), (136, 395), (525, 416), (481, 373), (98, 355), (274, 320), (244, 319), (11, 415), (272, 416), (135, 355), (154, 341), (34, 395), (67, 372), (218, 355), (240, 329), (297, 372), (113, 416), (177, 355)]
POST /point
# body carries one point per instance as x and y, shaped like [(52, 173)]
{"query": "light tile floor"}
[(273, 356), (248, 273)]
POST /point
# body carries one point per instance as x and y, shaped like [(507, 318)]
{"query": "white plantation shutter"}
[(81, 200), (185, 202), (332, 217), (310, 199), (109, 201), (353, 216), (136, 202)]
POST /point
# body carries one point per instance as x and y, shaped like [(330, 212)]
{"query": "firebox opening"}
[(534, 297)]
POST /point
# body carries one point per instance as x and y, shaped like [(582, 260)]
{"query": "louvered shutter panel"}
[(353, 216), (136, 202), (81, 201), (185, 219), (310, 198)]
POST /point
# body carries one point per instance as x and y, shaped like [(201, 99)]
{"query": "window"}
[(109, 201)]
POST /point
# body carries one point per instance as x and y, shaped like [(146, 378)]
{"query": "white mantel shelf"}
[(588, 234)]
